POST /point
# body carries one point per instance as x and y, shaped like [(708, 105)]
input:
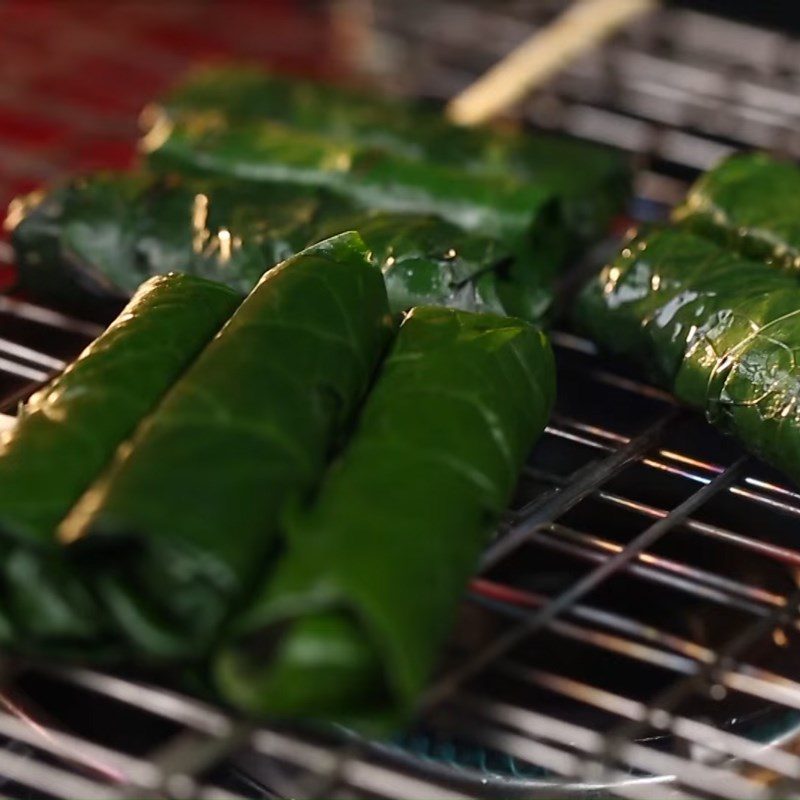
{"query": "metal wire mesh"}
[(634, 707), (631, 631)]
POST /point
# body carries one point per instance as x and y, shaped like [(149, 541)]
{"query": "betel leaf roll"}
[(750, 202), (353, 619), (494, 205), (427, 261), (68, 431), (98, 237), (189, 512), (722, 332), (593, 181)]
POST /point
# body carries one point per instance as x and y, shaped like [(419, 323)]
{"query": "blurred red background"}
[(74, 74)]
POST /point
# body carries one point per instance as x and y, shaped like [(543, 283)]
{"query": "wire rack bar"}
[(568, 764), (50, 780), (535, 726), (708, 677), (699, 733), (105, 762), (358, 772), (190, 753), (158, 701), (583, 586), (552, 505), (649, 645), (656, 569)]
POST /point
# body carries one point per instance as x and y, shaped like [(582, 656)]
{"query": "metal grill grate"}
[(633, 628)]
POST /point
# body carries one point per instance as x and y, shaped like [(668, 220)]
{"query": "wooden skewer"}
[(582, 25)]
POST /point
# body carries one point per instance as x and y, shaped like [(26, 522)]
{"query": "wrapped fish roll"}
[(98, 237), (352, 622), (593, 181), (721, 331), (493, 205), (68, 432), (750, 202), (189, 514), (427, 261)]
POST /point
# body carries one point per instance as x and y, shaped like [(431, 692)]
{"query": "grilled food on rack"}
[(495, 205), (750, 202), (426, 260), (68, 431), (354, 618), (189, 514), (592, 182), (99, 237), (177, 517), (721, 331), (475, 219)]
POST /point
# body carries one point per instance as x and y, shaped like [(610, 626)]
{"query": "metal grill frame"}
[(580, 759), (578, 754)]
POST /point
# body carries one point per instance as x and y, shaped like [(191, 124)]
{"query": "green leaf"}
[(351, 624), (750, 202), (189, 515), (495, 205), (592, 181), (99, 237), (68, 432), (70, 428), (721, 331)]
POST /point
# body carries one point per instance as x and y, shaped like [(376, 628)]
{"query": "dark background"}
[(783, 15)]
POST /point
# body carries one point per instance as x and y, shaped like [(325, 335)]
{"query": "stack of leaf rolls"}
[(317, 399), (710, 305), (211, 468), (245, 169)]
